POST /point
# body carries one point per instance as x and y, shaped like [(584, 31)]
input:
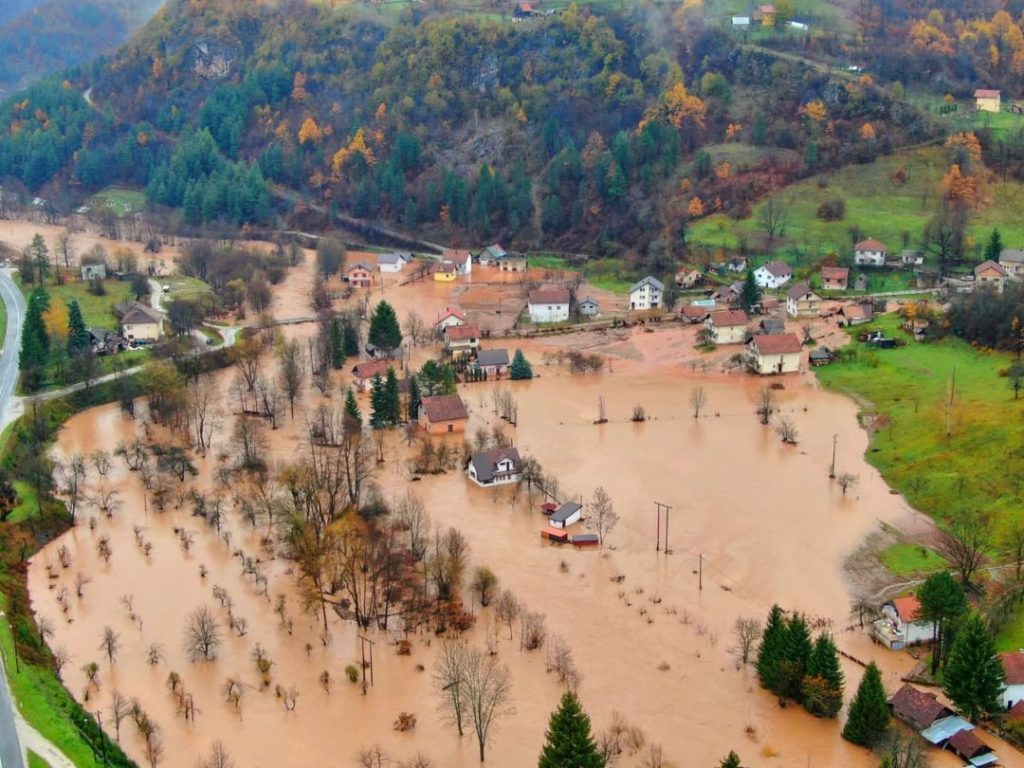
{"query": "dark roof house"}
[(487, 358), (917, 708), (485, 464)]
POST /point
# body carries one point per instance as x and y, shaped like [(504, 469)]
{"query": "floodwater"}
[(762, 518)]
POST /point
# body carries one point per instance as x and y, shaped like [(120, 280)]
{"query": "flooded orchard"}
[(653, 647)]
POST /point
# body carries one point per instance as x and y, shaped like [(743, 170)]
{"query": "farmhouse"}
[(449, 317), (912, 258), (497, 467), (360, 275), (802, 301), (462, 259), (694, 313), (646, 294), (392, 262), (857, 314), (687, 278), (94, 271), (869, 253), (774, 274), (490, 255), (916, 708), (987, 100), (446, 272), (776, 353), (139, 322), (461, 340), (728, 326), (988, 274), (549, 305), (900, 626), (835, 278), (567, 514), (523, 10), (364, 373), (766, 15), (728, 294), (512, 262), (1012, 261), (736, 264), (443, 414), (1013, 665), (588, 307), (493, 362)]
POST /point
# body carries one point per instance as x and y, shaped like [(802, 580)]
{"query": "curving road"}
[(15, 304)]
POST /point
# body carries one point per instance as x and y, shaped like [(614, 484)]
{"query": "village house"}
[(443, 414), (588, 307), (513, 262), (900, 626), (97, 271), (449, 318), (490, 255), (967, 746), (728, 326), (360, 275), (103, 342), (646, 294), (392, 262), (776, 353), (857, 314), (911, 258), (461, 258), (522, 10), (772, 325), (549, 305), (1012, 262), (728, 294), (869, 253), (1013, 665), (139, 322), (741, 21), (461, 340), (774, 274), (364, 373), (688, 278), (765, 14), (835, 278), (569, 513), (918, 709), (446, 272), (493, 362), (693, 313), (498, 467), (987, 100), (801, 301), (988, 274), (736, 264)]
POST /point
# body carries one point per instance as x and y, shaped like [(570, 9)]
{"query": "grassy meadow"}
[(121, 201)]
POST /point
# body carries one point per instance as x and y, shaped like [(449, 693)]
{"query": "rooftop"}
[(1013, 663), (462, 332), (987, 266), (653, 281), (777, 344), (870, 245), (371, 368), (444, 408), (729, 318), (986, 93), (565, 511), (921, 707), (549, 296), (907, 608), (486, 357), (778, 268), (485, 463), (798, 291), (835, 273)]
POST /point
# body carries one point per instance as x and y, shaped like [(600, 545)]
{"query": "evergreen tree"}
[(40, 256), (337, 345), (414, 399), (521, 368), (869, 710), (974, 675), (732, 760), (78, 334), (385, 333), (35, 341), (353, 417), (750, 295), (994, 247), (378, 404), (796, 657), (392, 400), (771, 652), (942, 602), (823, 686), (569, 741), (351, 336)]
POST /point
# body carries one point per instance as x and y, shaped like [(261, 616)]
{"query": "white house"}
[(912, 258), (1012, 261), (1013, 664), (802, 301), (741, 21), (737, 264), (588, 307), (392, 262), (567, 514), (139, 322), (449, 318), (549, 305), (987, 100), (869, 253), (646, 294), (94, 271), (728, 326), (774, 274), (462, 259), (776, 353), (900, 626), (497, 467)]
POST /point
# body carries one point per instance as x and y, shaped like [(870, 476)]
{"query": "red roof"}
[(449, 312), (729, 318), (548, 507), (550, 296), (692, 310), (921, 708), (987, 266), (835, 273), (967, 745), (777, 344), (870, 245), (908, 608), (1013, 663), (444, 408), (453, 254), (1016, 712), (371, 368), (461, 332), (554, 533), (986, 93)]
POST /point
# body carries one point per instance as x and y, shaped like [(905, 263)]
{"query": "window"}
[(451, 427)]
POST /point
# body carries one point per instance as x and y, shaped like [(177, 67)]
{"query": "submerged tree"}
[(570, 743), (974, 677), (868, 720)]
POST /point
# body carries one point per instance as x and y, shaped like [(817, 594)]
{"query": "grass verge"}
[(907, 559), (35, 761)]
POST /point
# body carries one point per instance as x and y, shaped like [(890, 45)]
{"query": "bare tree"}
[(293, 374), (202, 635), (846, 481), (200, 413), (773, 217), (412, 515), (786, 430), (154, 747), (218, 757), (1012, 543), (698, 399), (899, 751), (61, 658), (603, 516), (450, 678), (765, 404), (506, 609), (72, 475), (110, 644), (120, 708), (964, 541), (602, 411), (416, 329), (746, 632), (487, 687), (533, 630)]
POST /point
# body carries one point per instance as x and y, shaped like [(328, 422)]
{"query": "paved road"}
[(15, 304), (10, 747)]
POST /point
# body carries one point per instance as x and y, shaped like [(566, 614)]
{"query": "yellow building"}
[(986, 100), (446, 272)]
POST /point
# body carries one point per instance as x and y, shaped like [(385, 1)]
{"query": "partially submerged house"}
[(569, 513), (585, 540), (493, 362), (461, 340), (728, 326), (461, 258), (918, 709), (364, 373), (449, 318), (392, 262), (443, 414), (549, 305), (498, 467), (489, 256), (646, 294), (966, 745), (901, 626), (776, 353), (774, 274)]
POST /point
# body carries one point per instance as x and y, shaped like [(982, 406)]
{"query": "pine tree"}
[(385, 333), (35, 341), (796, 656), (750, 295), (353, 417), (378, 404), (771, 652), (392, 400), (994, 247), (569, 741), (337, 345), (974, 675), (414, 398), (869, 710), (78, 334), (823, 685), (40, 256), (351, 336), (942, 601), (732, 760), (521, 368)]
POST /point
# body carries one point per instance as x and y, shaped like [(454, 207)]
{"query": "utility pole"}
[(832, 469), (362, 652), (700, 573)]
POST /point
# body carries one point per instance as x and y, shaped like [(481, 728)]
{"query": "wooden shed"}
[(555, 535)]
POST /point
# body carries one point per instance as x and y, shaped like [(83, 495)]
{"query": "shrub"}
[(832, 210), (352, 673)]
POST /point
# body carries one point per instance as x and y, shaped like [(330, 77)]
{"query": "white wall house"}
[(900, 625), (567, 514), (549, 305), (498, 467), (449, 318), (392, 262), (802, 301), (462, 259), (776, 353), (869, 253), (646, 294), (1012, 261), (94, 271), (1013, 664), (728, 326), (774, 274)]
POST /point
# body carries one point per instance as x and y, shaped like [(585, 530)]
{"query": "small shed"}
[(567, 514), (555, 535), (588, 307), (972, 749), (548, 507), (585, 540)]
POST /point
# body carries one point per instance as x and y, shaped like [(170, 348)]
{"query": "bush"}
[(352, 673), (832, 210)]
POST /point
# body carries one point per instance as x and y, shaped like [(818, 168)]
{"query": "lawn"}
[(875, 202), (908, 559), (120, 200), (183, 287), (96, 310), (35, 761), (610, 275)]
